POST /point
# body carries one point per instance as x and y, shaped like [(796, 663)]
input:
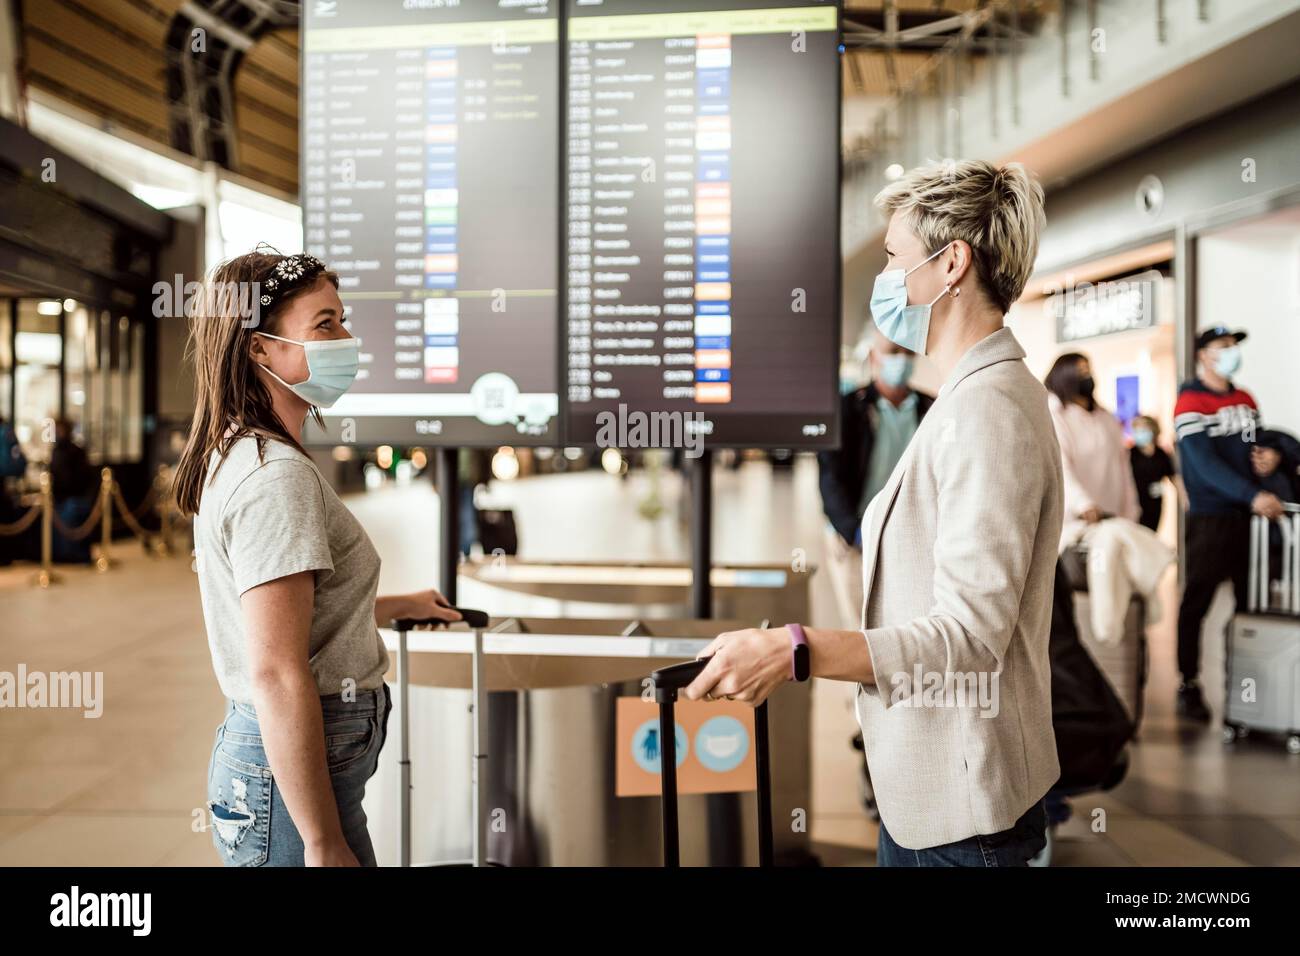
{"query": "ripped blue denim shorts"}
[(249, 822)]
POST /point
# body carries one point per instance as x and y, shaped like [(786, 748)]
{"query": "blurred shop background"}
[(1165, 132)]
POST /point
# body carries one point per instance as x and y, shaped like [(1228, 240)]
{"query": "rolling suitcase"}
[(477, 621), (667, 682), (1263, 666), (1125, 664)]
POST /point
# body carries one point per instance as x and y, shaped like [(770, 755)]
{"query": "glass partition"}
[(75, 391), (37, 356), (77, 361)]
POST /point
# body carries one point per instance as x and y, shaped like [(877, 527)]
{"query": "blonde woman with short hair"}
[(959, 547)]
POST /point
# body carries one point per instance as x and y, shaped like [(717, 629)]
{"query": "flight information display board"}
[(430, 184), (702, 218)]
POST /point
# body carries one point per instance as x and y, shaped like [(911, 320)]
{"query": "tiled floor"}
[(126, 788)]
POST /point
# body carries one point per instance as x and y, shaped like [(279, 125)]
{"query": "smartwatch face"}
[(801, 662)]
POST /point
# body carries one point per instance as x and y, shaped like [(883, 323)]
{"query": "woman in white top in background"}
[(1094, 459)]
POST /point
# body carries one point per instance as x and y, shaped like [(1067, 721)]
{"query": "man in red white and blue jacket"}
[(1216, 424)]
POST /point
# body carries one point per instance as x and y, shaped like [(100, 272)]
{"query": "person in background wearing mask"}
[(1098, 479), (1151, 466), (876, 423), (287, 575), (1216, 424)]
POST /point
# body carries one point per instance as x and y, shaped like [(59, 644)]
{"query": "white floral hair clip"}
[(289, 272)]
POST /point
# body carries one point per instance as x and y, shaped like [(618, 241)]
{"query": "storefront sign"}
[(1088, 310)]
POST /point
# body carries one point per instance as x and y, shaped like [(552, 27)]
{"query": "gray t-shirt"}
[(264, 519)]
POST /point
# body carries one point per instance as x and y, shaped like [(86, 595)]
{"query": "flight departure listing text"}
[(702, 218), (429, 172), (529, 235)]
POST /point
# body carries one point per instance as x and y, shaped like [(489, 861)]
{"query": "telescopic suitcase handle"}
[(667, 682), (1259, 577), (473, 618), (478, 620)]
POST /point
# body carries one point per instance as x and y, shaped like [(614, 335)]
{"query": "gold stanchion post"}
[(105, 559), (162, 545), (46, 576)]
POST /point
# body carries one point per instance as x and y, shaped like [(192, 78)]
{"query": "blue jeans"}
[(246, 813), (1012, 847)]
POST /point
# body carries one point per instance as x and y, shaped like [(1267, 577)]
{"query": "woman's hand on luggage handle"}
[(418, 604), (746, 665)]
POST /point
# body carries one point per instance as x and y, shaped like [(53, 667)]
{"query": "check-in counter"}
[(554, 685), (771, 592)]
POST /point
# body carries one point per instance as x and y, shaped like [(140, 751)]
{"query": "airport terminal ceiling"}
[(115, 59)]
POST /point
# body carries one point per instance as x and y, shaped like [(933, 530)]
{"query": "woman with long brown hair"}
[(287, 575)]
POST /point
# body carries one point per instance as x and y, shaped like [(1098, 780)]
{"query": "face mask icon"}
[(723, 747)]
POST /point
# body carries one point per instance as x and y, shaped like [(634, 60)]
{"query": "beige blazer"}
[(959, 557)]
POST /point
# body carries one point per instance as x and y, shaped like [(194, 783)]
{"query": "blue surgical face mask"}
[(331, 367), (1143, 437), (1228, 362), (896, 369), (905, 325)]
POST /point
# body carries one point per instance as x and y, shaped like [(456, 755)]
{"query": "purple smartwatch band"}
[(797, 639)]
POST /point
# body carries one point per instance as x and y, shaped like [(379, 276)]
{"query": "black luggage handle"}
[(475, 619), (667, 682)]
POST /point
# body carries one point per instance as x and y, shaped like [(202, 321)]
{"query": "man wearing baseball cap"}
[(1216, 424)]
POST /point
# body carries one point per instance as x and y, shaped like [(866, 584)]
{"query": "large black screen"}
[(430, 184), (702, 220)]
